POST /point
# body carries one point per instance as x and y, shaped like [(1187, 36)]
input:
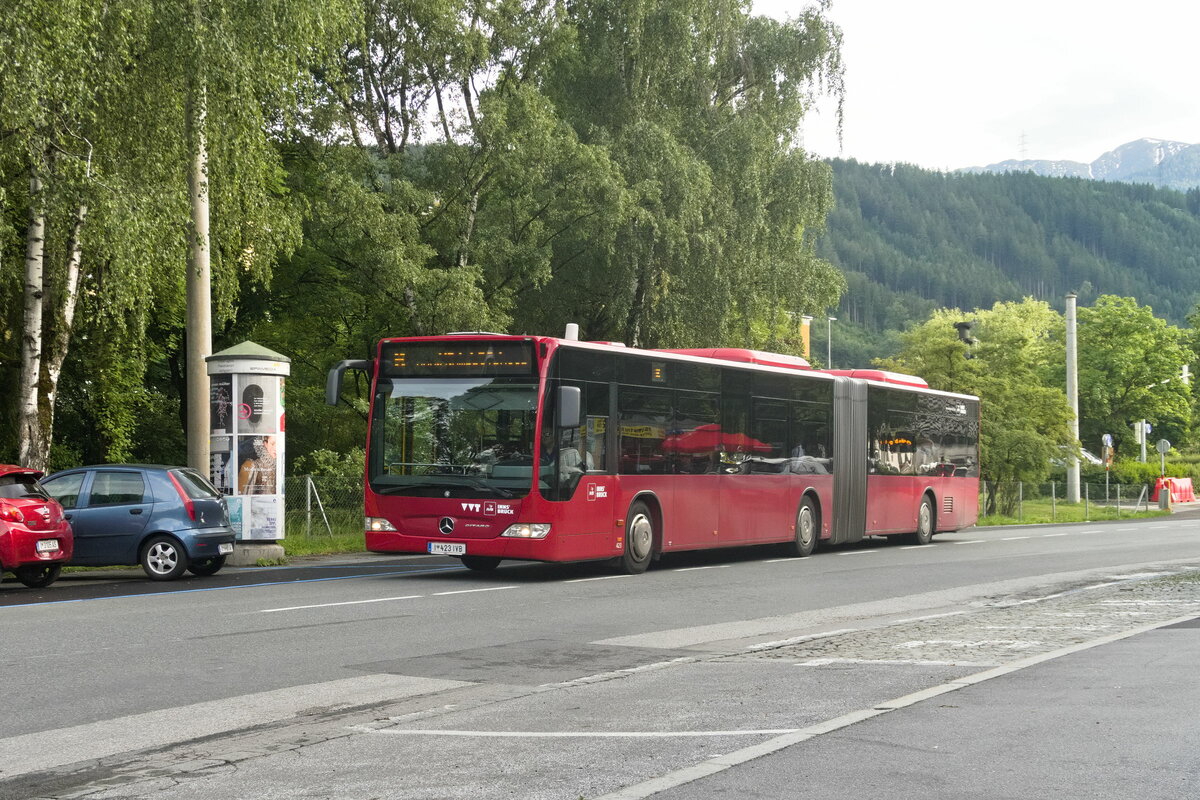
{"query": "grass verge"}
[(1042, 511)]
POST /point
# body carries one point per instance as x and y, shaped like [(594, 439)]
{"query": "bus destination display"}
[(455, 359)]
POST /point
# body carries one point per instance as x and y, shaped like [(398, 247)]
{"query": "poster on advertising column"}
[(221, 404), (258, 464), (264, 518), (258, 403), (220, 471)]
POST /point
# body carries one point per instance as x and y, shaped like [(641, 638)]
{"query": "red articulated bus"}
[(489, 447)]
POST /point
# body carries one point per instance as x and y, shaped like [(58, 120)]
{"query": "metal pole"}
[(1118, 501), (1020, 501), (199, 290), (1053, 502), (1086, 493), (829, 341), (1072, 399), (1142, 439)]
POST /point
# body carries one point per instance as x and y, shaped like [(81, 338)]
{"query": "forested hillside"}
[(910, 240)]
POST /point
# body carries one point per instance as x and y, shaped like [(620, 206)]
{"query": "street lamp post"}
[(829, 342)]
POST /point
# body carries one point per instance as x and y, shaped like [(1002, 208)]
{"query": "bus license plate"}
[(47, 545), (447, 548)]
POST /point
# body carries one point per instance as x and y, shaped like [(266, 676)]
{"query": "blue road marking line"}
[(223, 588)]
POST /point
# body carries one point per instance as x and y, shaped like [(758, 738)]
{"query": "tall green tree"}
[(1130, 368), (94, 123), (699, 105)]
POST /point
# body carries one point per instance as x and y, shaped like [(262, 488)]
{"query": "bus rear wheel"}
[(480, 563), (924, 532), (807, 530), (639, 539)]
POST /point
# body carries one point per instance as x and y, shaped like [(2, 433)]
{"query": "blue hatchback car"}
[(167, 519)]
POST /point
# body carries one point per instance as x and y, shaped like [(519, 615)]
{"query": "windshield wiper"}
[(487, 487), (426, 488), (408, 488)]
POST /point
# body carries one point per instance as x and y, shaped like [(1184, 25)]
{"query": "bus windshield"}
[(453, 437)]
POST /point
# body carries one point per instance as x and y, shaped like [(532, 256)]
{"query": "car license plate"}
[(447, 548), (47, 545), (224, 549)]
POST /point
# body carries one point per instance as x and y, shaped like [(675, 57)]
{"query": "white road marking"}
[(571, 734), (693, 569), (824, 662), (344, 603), (34, 752), (1052, 535), (913, 546), (600, 578), (856, 552), (1015, 538), (928, 616), (470, 591), (754, 648), (970, 541)]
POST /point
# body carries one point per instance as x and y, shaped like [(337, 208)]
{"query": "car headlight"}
[(528, 530), (379, 524)]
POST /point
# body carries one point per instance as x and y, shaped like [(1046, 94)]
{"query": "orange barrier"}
[(1180, 490)]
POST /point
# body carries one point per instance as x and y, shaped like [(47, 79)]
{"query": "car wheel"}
[(206, 566), (38, 576), (639, 539), (163, 559), (806, 530), (480, 563)]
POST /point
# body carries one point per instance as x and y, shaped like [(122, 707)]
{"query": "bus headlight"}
[(379, 524), (528, 530)]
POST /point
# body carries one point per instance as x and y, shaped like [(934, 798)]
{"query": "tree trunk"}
[(469, 227), (31, 449), (59, 312)]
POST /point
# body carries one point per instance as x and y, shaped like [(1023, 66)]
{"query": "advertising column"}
[(247, 438)]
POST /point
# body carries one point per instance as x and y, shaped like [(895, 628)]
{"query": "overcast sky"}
[(956, 83)]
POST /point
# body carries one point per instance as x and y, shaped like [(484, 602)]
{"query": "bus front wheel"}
[(639, 539)]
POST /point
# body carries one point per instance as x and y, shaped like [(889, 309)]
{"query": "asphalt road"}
[(412, 677)]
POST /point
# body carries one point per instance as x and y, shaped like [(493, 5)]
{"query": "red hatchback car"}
[(35, 537)]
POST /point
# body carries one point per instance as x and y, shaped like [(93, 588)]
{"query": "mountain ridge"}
[(1160, 162), (909, 240)]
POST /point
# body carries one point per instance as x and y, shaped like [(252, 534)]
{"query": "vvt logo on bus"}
[(476, 507)]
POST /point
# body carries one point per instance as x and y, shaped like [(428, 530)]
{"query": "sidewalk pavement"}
[(1117, 720)]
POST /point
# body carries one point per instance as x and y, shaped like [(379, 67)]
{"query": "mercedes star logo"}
[(446, 525)]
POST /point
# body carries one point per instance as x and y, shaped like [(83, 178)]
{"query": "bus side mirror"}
[(569, 402), (333, 383)]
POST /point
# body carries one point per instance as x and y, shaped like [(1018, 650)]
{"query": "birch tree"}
[(93, 124), (48, 112)]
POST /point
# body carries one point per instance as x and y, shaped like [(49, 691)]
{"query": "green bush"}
[(326, 463)]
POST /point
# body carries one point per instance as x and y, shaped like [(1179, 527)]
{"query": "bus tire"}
[(808, 528), (480, 563), (639, 539), (924, 532)]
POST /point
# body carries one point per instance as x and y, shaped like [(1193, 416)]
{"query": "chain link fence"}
[(323, 507), (1001, 503)]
